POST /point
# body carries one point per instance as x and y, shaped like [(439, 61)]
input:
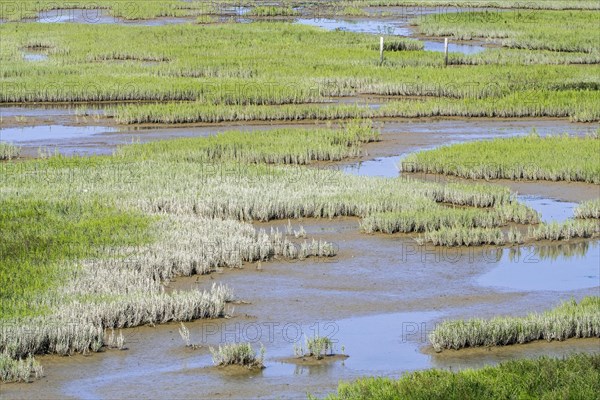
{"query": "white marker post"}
[(381, 50), (445, 52)]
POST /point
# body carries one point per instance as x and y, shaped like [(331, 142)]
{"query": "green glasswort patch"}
[(574, 377), (553, 158), (41, 237)]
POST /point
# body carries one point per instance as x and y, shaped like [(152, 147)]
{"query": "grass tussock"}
[(552, 158), (9, 151), (564, 231), (19, 370), (241, 354), (464, 237), (469, 235), (273, 11), (400, 45), (588, 209), (316, 347), (439, 217), (572, 377), (568, 320)]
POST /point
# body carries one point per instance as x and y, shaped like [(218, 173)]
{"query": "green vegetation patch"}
[(567, 31), (39, 237), (578, 105), (574, 377), (273, 11), (588, 209), (553, 158), (279, 146)]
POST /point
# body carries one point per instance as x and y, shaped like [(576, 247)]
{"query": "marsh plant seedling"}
[(184, 332)]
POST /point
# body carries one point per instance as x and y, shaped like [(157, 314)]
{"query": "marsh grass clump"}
[(465, 237), (280, 146), (552, 158), (400, 45), (206, 19), (566, 230), (39, 234), (79, 326), (575, 376), (116, 341), (435, 217), (19, 370), (9, 151), (568, 320), (316, 347), (561, 31), (588, 209), (273, 11), (514, 236), (578, 105), (351, 11), (241, 354)]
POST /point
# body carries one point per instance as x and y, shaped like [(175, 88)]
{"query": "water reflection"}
[(555, 267), (551, 251)]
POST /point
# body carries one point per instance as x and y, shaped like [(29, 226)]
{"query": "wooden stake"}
[(381, 50), (445, 52)]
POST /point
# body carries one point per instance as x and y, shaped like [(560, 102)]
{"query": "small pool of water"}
[(359, 26), (551, 210), (453, 47), (386, 167), (44, 133), (34, 57), (532, 269), (76, 15)]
